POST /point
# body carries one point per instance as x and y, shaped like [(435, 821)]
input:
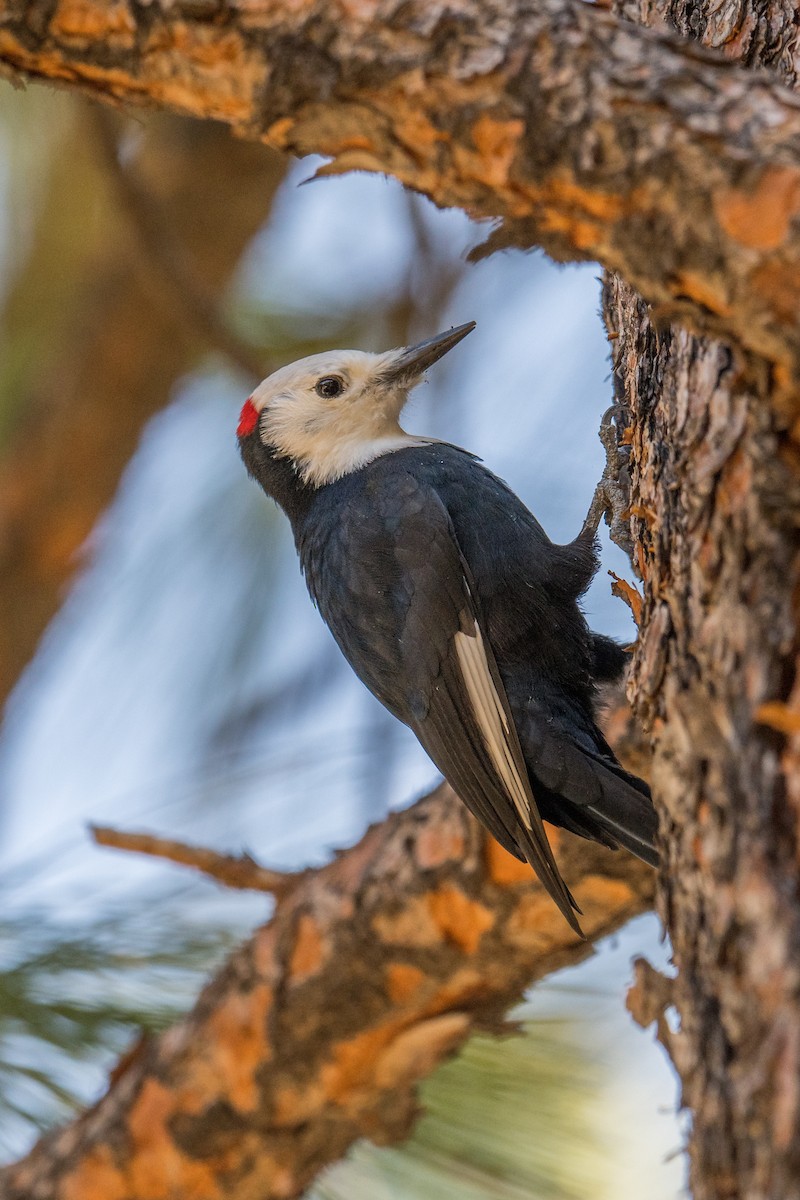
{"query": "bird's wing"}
[(448, 687)]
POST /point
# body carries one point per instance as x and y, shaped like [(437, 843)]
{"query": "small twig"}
[(630, 594), (169, 260), (234, 871), (779, 716)]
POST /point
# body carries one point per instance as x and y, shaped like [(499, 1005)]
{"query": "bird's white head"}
[(332, 413)]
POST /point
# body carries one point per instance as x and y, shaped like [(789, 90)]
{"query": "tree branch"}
[(586, 134), (424, 932), (232, 870)]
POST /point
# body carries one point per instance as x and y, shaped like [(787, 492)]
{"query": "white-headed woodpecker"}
[(449, 601)]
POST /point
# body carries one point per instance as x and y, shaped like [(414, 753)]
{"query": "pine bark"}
[(716, 523), (584, 133)]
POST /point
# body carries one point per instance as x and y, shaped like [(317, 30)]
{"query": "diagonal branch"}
[(586, 134), (318, 1029), (168, 258), (110, 351)]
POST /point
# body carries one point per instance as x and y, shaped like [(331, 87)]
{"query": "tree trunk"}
[(716, 515)]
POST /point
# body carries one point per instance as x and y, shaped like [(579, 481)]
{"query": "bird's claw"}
[(612, 495)]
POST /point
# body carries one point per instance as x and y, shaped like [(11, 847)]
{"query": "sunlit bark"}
[(586, 134), (319, 1027)]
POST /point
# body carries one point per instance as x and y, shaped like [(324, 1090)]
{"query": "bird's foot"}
[(612, 495)]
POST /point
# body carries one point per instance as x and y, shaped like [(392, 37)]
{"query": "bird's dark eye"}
[(329, 386)]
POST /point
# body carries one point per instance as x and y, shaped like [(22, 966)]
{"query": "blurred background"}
[(160, 662)]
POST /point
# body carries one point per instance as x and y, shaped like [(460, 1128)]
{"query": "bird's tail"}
[(622, 815)]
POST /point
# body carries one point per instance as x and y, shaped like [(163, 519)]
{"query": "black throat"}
[(278, 477)]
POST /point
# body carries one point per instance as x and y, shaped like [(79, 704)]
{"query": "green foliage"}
[(72, 1000), (508, 1119)]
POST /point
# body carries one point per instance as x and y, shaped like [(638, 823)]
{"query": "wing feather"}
[(491, 718), (394, 588), (453, 737), (468, 729)]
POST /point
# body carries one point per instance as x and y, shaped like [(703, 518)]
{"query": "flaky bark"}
[(124, 339), (587, 135), (318, 1029), (717, 505)]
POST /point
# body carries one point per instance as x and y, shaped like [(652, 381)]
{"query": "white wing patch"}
[(491, 717)]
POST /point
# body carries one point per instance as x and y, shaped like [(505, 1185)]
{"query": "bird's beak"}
[(414, 360)]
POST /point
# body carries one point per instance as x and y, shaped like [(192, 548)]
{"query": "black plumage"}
[(449, 601), (425, 565)]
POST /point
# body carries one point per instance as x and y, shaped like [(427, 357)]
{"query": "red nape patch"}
[(248, 418)]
